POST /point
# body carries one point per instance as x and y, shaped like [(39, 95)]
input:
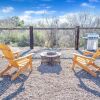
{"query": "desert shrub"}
[(24, 41), (39, 38), (15, 38), (9, 38)]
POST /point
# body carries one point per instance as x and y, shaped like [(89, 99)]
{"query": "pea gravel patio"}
[(51, 83)]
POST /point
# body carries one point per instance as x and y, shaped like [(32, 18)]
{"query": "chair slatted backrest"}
[(8, 54), (98, 51), (96, 54)]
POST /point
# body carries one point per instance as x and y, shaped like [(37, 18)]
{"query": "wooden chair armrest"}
[(24, 57), (82, 56), (16, 52), (87, 52)]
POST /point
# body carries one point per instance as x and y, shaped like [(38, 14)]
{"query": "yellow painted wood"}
[(21, 63), (84, 61), (16, 54)]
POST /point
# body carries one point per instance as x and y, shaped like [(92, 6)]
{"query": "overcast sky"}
[(32, 9)]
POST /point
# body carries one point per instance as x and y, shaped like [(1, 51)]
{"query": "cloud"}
[(28, 15), (39, 12), (79, 18), (65, 18), (47, 7), (8, 9), (26, 18), (87, 5), (94, 0), (42, 6)]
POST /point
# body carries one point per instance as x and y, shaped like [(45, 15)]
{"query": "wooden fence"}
[(31, 32)]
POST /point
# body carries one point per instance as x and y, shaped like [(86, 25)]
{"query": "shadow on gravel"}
[(6, 82), (84, 75), (43, 68), (25, 52)]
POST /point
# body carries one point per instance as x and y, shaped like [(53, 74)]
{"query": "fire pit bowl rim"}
[(52, 55)]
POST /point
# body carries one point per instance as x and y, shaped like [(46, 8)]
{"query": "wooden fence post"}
[(31, 37), (77, 31)]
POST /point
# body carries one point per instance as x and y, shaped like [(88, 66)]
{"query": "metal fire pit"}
[(50, 57)]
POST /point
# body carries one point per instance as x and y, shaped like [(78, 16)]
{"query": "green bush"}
[(39, 39), (7, 38), (15, 39), (23, 41)]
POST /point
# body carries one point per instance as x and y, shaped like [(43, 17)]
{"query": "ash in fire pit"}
[(50, 57), (51, 53)]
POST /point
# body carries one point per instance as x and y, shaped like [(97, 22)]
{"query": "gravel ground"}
[(57, 82)]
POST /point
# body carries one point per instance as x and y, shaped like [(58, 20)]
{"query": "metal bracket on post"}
[(31, 37)]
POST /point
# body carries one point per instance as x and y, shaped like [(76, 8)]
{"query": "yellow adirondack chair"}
[(21, 63), (91, 53), (16, 54), (85, 62)]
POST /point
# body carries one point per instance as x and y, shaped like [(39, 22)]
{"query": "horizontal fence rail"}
[(89, 28), (14, 28), (31, 32), (37, 28), (27, 28)]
